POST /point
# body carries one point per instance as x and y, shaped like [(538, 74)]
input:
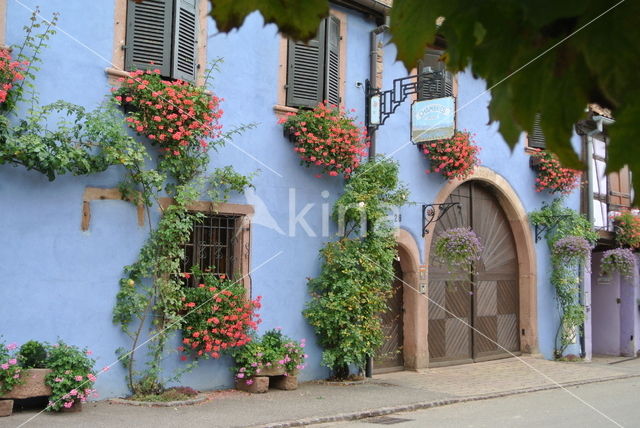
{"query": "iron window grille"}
[(212, 246)]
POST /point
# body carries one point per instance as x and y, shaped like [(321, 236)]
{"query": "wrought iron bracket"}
[(431, 213), (541, 229), (392, 98)]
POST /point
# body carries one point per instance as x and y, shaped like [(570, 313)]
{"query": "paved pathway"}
[(317, 402)]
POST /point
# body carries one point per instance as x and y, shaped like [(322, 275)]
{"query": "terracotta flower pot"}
[(6, 407), (258, 385), (272, 371), (33, 385)]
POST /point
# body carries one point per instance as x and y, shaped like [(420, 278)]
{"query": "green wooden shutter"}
[(432, 86), (185, 40), (536, 138), (305, 72), (332, 77), (148, 38)]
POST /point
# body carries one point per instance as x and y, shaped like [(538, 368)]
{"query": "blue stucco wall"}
[(59, 282)]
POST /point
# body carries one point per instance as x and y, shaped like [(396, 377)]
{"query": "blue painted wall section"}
[(59, 282)]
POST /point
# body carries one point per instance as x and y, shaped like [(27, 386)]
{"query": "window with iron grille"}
[(313, 68), (434, 81), (214, 246), (162, 34)]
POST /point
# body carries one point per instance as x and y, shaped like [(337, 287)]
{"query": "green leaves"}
[(297, 19)]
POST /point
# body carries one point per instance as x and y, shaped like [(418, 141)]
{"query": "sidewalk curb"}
[(381, 411)]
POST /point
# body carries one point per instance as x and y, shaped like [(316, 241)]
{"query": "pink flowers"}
[(176, 113), (78, 378), (13, 361), (455, 158), (327, 137), (11, 346), (4, 366), (551, 176)]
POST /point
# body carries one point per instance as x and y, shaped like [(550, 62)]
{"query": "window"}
[(313, 69), (434, 81), (162, 34), (214, 245)]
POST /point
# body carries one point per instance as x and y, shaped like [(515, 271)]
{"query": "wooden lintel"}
[(97, 193)]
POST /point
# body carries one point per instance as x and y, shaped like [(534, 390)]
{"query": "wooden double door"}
[(474, 317)]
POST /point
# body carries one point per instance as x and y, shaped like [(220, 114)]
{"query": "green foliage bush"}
[(357, 272), (32, 355)]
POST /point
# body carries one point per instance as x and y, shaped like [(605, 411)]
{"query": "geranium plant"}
[(455, 157), (9, 368), (177, 116), (273, 349), (627, 227), (551, 176), (72, 375), (327, 137), (620, 260), (458, 248), (11, 71), (218, 316)]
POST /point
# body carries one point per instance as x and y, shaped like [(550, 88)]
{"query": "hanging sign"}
[(432, 119)]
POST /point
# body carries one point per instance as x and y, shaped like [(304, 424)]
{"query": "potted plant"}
[(627, 228), (30, 362), (621, 260), (71, 376), (274, 355), (455, 157), (326, 137), (10, 376), (572, 249), (550, 175), (218, 317), (457, 249)]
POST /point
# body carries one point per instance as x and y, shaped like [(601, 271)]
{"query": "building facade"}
[(65, 242)]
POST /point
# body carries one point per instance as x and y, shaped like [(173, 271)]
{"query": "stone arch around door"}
[(524, 247)]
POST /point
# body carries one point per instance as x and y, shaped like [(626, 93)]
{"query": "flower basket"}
[(627, 228), (458, 249), (454, 158), (326, 137), (33, 386), (620, 260), (550, 175)]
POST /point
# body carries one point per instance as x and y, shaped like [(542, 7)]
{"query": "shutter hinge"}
[(124, 47)]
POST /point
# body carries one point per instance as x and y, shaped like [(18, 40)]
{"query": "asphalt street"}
[(606, 404)]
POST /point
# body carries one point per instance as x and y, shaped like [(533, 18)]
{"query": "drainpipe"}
[(373, 79)]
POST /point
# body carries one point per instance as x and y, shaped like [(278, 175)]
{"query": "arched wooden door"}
[(390, 356), (475, 317)]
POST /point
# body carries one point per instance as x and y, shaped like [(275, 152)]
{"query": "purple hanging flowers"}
[(572, 249), (458, 248), (619, 260)]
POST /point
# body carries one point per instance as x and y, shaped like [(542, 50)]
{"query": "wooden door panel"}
[(475, 319)]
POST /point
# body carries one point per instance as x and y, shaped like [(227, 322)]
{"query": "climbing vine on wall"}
[(355, 282), (570, 237)]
